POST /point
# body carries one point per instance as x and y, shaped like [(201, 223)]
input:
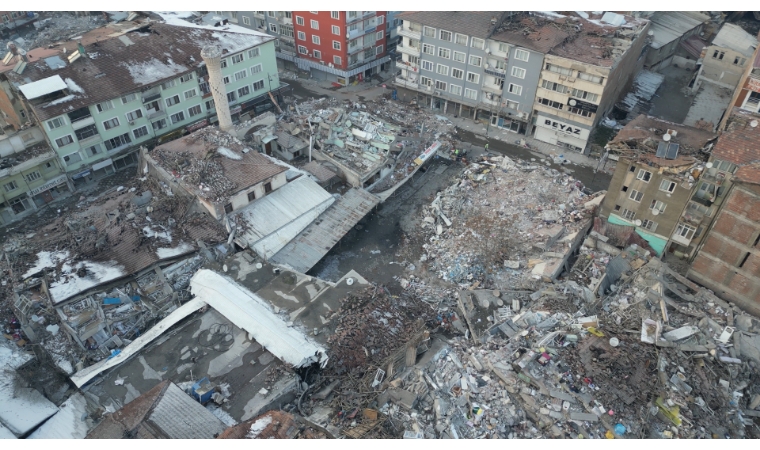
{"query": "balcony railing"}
[(495, 73), (407, 83), (408, 49), (407, 32)]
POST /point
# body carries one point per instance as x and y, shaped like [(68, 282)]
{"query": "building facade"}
[(723, 62)]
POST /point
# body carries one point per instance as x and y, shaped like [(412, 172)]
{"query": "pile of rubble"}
[(504, 224), (60, 26)]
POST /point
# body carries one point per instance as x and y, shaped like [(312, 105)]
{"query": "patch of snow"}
[(46, 260), (168, 252), (61, 100), (6, 433), (154, 70), (258, 426), (222, 415), (583, 14), (70, 284), (233, 38), (550, 14), (21, 408), (67, 423), (165, 235), (224, 151), (73, 86)]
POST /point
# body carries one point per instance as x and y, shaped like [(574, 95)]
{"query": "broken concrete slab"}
[(585, 417)]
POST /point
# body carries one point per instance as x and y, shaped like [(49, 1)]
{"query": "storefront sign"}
[(580, 104), (80, 175), (197, 125), (236, 109), (430, 151), (52, 183), (562, 127)]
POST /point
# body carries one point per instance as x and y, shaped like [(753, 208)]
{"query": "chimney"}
[(212, 55)]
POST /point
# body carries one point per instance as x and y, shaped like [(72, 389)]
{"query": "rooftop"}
[(130, 63), (749, 173), (272, 425), (735, 38), (214, 165), (471, 23), (668, 26), (738, 143)]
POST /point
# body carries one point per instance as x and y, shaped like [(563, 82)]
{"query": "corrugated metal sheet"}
[(179, 416), (668, 26), (734, 37), (303, 252)]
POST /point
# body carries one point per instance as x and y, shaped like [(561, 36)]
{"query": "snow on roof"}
[(67, 423), (734, 37), (177, 18), (154, 70), (224, 151), (258, 426), (251, 313), (70, 283), (46, 260), (43, 87), (168, 252), (6, 433), (73, 86)]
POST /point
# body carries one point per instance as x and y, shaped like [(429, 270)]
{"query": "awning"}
[(80, 174)]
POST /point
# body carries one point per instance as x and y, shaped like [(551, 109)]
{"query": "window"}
[(425, 81), (86, 132), (251, 196), (445, 35), (317, 54), (518, 72), (288, 15), (105, 106), (628, 214), (658, 205), (168, 84), (177, 117), (10, 187), (724, 166), (272, 28), (667, 186), (246, 20), (194, 111), (461, 39), (299, 20), (315, 39), (209, 104), (457, 73), (285, 30), (228, 208), (617, 207), (562, 89), (559, 70), (429, 32), (243, 91), (226, 80), (56, 123), (513, 88), (579, 111), (173, 100), (159, 124), (459, 57), (254, 52), (128, 98), (503, 48), (649, 225), (478, 43), (231, 97), (94, 150), (455, 90), (140, 132), (336, 30), (223, 63), (380, 20), (632, 169), (644, 175), (258, 85), (473, 77), (64, 141), (72, 158), (301, 36), (118, 141), (189, 76), (591, 78), (500, 65), (550, 103), (379, 35), (336, 45), (256, 69), (302, 50), (428, 49), (314, 24), (471, 94), (33, 176), (739, 61), (136, 114), (267, 187), (427, 65), (335, 14), (238, 76), (444, 53), (440, 85), (636, 196), (513, 105), (475, 60), (442, 70), (718, 54), (685, 231), (584, 95)]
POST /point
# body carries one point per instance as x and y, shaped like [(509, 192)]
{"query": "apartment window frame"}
[(553, 86), (550, 103), (649, 225), (442, 69), (246, 91), (519, 52), (426, 81), (471, 97), (299, 21), (457, 55), (336, 45), (273, 28), (246, 20), (455, 89), (685, 231), (93, 150), (335, 15), (590, 78), (177, 117), (186, 77), (473, 77), (239, 75), (426, 47), (301, 36), (444, 52), (104, 106), (10, 186), (718, 54), (477, 43), (441, 85), (659, 205), (564, 71), (316, 40), (139, 131), (380, 35), (514, 89), (317, 54), (194, 108), (302, 50), (314, 24), (122, 140), (479, 60), (336, 30), (253, 53), (458, 40), (32, 176), (72, 158), (636, 196), (668, 186), (159, 124), (175, 100), (455, 70), (59, 120), (86, 132), (128, 98), (337, 60), (441, 35), (260, 83), (131, 116), (644, 175), (429, 31), (518, 72), (111, 123), (628, 215)]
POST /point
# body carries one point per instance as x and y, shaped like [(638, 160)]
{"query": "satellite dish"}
[(572, 102), (655, 212), (753, 124), (638, 222), (666, 137), (709, 165)]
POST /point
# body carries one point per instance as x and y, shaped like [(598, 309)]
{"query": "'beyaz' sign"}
[(571, 130)]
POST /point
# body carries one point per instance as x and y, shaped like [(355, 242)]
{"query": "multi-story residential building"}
[(654, 179), (30, 174), (98, 104), (675, 35), (278, 24), (728, 262), (391, 33), (444, 57), (722, 63), (10, 20), (584, 76)]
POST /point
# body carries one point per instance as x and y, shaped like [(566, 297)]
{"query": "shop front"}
[(49, 191), (560, 133)]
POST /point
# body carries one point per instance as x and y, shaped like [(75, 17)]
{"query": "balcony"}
[(492, 88), (495, 73), (407, 32), (408, 49), (403, 82), (408, 65)]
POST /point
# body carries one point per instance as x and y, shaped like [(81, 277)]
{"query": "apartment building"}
[(391, 33), (10, 20), (277, 24), (98, 104), (654, 180), (444, 57), (30, 174), (584, 76), (723, 62)]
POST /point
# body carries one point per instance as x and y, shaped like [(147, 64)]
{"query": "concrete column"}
[(474, 113), (460, 110), (445, 106), (212, 55)]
